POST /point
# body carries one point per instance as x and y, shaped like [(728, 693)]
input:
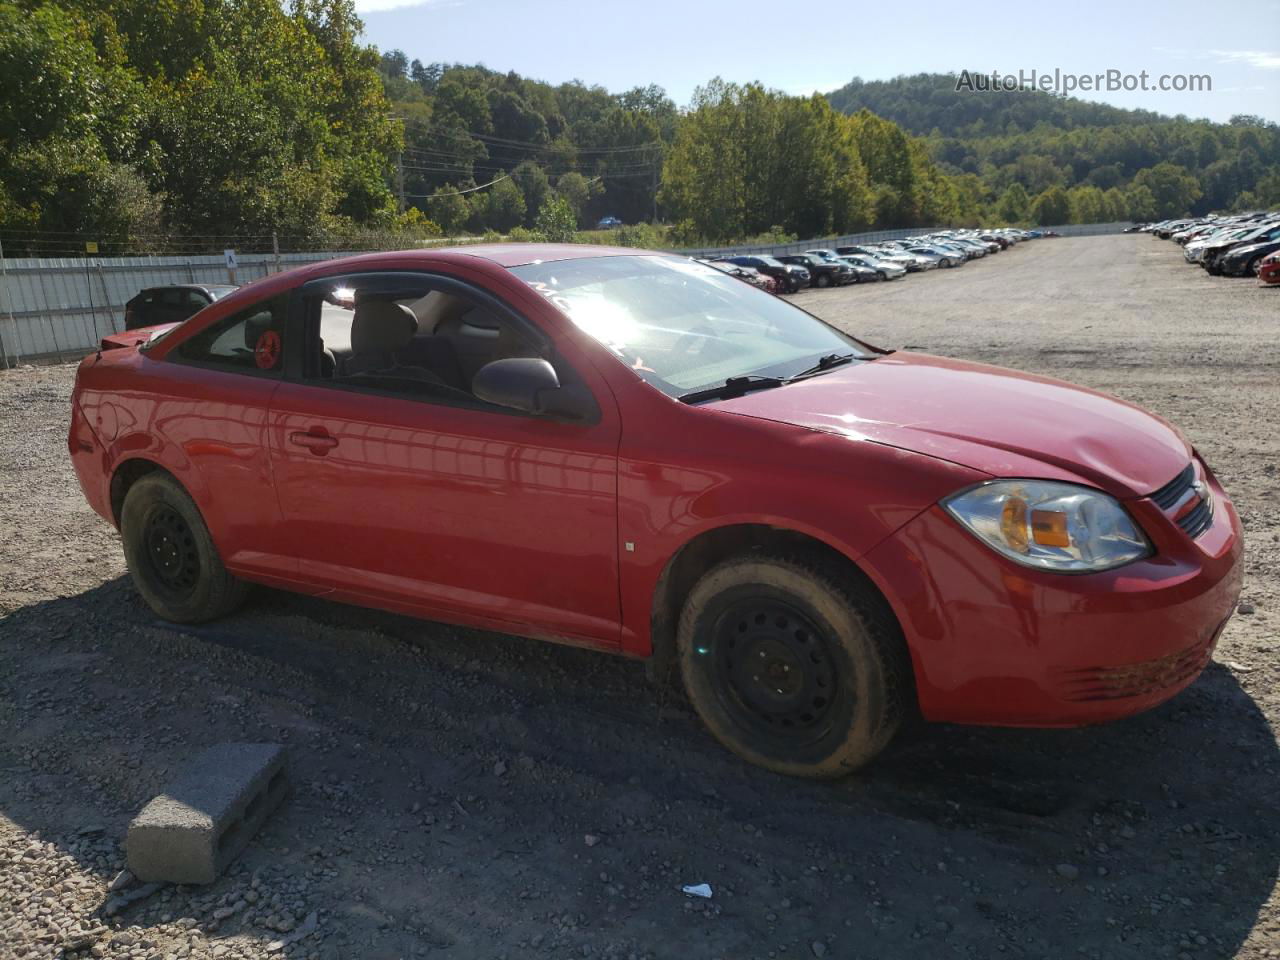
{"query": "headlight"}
[(1050, 526)]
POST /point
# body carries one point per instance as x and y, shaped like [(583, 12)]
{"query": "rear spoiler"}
[(133, 338)]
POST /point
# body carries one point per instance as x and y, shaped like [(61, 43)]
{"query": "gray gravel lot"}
[(461, 794)]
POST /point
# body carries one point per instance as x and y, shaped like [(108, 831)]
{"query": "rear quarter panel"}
[(206, 428)]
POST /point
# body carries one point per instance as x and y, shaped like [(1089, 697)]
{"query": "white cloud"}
[(1262, 59)]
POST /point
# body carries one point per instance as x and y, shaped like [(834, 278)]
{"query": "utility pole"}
[(656, 158), (400, 178), (275, 249)]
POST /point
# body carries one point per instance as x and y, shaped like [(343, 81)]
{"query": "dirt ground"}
[(460, 794)]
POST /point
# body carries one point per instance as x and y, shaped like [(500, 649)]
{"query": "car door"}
[(213, 390), (400, 489)]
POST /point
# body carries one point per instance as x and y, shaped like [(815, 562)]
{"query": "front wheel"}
[(792, 666), (823, 280), (171, 555)]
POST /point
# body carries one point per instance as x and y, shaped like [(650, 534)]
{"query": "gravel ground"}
[(471, 795)]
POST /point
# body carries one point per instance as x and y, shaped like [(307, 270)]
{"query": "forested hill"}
[(927, 103), (1029, 144)]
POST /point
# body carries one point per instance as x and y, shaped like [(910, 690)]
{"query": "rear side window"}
[(251, 341)]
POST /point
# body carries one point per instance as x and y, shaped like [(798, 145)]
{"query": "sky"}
[(679, 44)]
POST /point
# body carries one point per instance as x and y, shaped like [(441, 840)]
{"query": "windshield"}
[(683, 326)]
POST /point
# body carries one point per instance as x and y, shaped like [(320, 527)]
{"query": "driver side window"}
[(425, 341)]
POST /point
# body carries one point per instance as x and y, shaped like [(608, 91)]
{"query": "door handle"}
[(317, 443)]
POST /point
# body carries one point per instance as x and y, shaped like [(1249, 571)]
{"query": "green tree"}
[(555, 222), (1172, 187), (534, 185), (1014, 205), (500, 207), (577, 191), (1052, 207)]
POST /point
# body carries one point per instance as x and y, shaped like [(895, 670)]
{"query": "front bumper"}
[(993, 642)]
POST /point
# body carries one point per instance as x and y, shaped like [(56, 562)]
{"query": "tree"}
[(577, 191), (555, 222), (1051, 207), (534, 185), (500, 208), (450, 208), (1174, 189), (1141, 203), (1014, 204)]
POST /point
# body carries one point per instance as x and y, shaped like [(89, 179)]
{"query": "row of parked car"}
[(869, 263), (1244, 245)]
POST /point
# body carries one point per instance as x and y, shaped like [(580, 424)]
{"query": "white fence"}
[(61, 308)]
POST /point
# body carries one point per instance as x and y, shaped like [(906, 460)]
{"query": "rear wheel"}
[(171, 556), (791, 666)]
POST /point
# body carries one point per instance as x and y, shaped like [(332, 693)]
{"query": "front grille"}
[(1196, 521), (1133, 680), (1172, 491), (1186, 502)]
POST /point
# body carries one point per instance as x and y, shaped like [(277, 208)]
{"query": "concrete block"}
[(205, 817)]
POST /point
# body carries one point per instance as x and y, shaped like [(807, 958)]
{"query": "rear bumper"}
[(996, 643)]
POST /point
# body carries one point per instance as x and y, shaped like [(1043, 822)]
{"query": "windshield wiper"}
[(823, 365), (731, 388)]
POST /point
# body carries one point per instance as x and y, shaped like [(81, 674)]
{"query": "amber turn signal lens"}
[(1049, 528), (1013, 523)]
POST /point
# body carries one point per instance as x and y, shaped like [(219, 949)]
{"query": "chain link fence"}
[(53, 309)]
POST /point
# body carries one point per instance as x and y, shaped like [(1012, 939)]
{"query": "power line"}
[(457, 193)]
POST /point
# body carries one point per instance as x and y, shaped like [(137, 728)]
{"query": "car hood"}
[(998, 421), (1247, 250)]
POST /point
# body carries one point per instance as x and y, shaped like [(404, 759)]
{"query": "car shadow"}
[(460, 789)]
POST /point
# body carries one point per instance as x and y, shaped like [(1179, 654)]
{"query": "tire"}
[(170, 555), (839, 677), (882, 275), (822, 280), (945, 263)]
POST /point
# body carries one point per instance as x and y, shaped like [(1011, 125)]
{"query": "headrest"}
[(381, 325)]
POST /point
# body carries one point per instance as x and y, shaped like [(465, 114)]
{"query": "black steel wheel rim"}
[(170, 550), (775, 671)]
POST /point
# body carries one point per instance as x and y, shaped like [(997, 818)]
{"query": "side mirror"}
[(530, 384)]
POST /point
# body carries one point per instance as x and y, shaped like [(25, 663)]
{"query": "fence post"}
[(48, 305), (106, 297), (93, 310), (4, 293), (275, 247)]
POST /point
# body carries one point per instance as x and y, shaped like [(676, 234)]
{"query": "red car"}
[(637, 453), (1269, 269)]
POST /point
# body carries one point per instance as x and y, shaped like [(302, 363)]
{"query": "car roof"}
[(519, 254)]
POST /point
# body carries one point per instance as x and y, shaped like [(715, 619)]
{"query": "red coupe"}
[(638, 453), (1269, 270)]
